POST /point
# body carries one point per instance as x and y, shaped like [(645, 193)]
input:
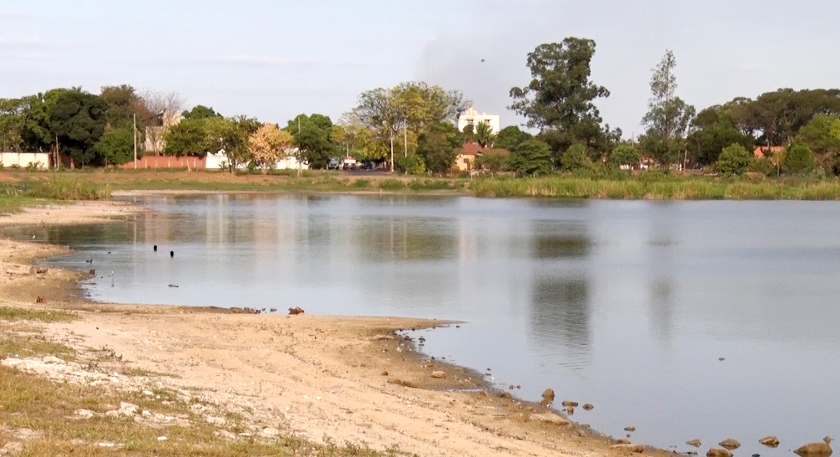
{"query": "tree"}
[(437, 146), (822, 136), (360, 141), (469, 133), (188, 137), (705, 144), (123, 103), (560, 95), (230, 136), (78, 119), (163, 110), (531, 157), (200, 112), (625, 154), (269, 144), (668, 116), (492, 160), (484, 135), (734, 159), (575, 158), (313, 138), (798, 159), (510, 137), (116, 146)]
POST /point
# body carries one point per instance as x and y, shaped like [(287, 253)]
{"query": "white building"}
[(25, 159), (473, 117)]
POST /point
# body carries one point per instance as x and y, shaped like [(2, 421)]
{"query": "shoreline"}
[(359, 382)]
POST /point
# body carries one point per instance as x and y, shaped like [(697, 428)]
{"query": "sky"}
[(276, 59)]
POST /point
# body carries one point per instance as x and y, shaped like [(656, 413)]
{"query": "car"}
[(333, 164), (366, 166)]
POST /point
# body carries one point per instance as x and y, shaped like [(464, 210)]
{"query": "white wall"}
[(24, 159)]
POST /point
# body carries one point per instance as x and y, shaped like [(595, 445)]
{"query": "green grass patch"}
[(15, 345), (72, 187), (44, 315), (391, 184)]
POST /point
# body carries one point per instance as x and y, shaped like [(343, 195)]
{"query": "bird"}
[(482, 60), (171, 253), (155, 248), (89, 260)]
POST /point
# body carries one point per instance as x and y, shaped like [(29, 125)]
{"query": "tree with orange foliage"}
[(269, 144)]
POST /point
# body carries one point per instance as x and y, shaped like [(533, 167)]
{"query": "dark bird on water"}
[(155, 248), (171, 253)]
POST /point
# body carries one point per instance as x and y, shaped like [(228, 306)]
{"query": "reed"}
[(70, 188)]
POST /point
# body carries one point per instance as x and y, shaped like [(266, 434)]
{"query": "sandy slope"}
[(321, 376)]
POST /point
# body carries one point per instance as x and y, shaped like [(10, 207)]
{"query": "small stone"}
[(770, 441), (148, 393), (385, 373), (730, 444), (622, 441), (84, 413), (568, 403), (718, 452), (550, 418), (588, 406), (695, 442), (630, 428), (547, 396), (269, 431), (438, 374), (162, 438), (818, 448)]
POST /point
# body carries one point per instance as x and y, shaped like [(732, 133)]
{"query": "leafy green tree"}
[(116, 146), (469, 133), (12, 113), (510, 137), (798, 159), (412, 165), (625, 154), (78, 119), (231, 136), (313, 138), (822, 136), (123, 103), (492, 160), (188, 137), (484, 135), (200, 112), (668, 116), (734, 159), (438, 146), (531, 157), (575, 158), (705, 144)]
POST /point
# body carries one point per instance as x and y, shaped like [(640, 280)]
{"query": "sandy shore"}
[(349, 379)]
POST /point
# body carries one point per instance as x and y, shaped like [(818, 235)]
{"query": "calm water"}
[(627, 305)]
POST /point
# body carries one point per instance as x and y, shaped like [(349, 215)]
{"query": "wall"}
[(163, 162), (23, 159)]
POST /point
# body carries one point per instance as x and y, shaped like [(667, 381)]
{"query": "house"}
[(465, 160), (154, 143), (473, 117)]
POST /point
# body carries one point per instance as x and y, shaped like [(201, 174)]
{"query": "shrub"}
[(71, 188), (798, 159), (734, 160)]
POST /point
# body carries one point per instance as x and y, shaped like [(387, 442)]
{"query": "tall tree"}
[(78, 119), (437, 146), (189, 137), (231, 137), (510, 137), (668, 116), (560, 99), (530, 158), (268, 145), (115, 146), (822, 136), (313, 138), (200, 112), (123, 103)]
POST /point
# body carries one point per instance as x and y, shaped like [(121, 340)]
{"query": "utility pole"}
[(405, 140), (134, 132), (392, 151)]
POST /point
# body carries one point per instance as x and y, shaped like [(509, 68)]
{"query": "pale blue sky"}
[(274, 59)]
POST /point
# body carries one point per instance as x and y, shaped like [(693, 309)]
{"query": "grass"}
[(71, 187), (21, 314), (46, 409)]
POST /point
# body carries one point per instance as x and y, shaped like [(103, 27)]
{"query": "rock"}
[(570, 410), (271, 310), (818, 448), (770, 441), (40, 299), (380, 337), (384, 373), (730, 444), (84, 414), (438, 374), (588, 406), (225, 434), (550, 418), (622, 441), (38, 269), (630, 428), (504, 395), (403, 383), (568, 403), (51, 359), (695, 442), (215, 420), (629, 447), (269, 432), (547, 396), (162, 438), (296, 310), (148, 393), (718, 452)]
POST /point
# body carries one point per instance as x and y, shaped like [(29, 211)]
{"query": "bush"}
[(734, 160), (413, 165), (798, 159), (530, 158), (71, 188), (575, 158)]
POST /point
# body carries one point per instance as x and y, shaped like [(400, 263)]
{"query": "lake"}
[(628, 305)]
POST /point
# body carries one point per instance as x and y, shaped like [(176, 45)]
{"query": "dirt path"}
[(326, 378)]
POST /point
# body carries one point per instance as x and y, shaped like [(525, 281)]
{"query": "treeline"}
[(411, 126)]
